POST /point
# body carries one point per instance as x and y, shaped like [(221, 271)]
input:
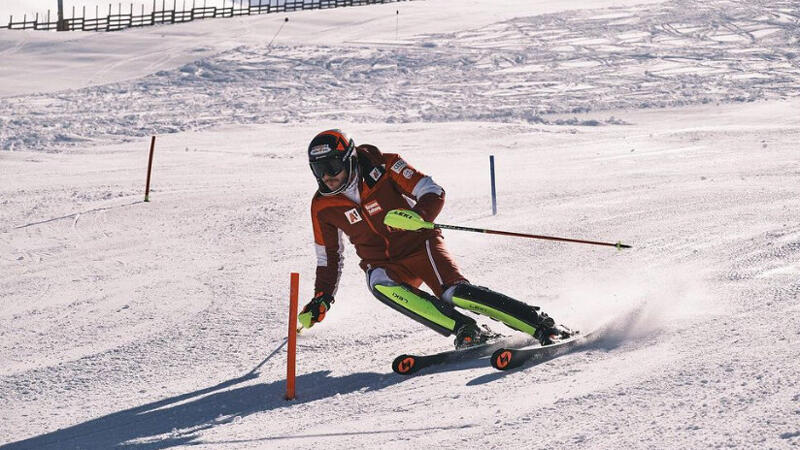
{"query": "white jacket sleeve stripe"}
[(426, 185)]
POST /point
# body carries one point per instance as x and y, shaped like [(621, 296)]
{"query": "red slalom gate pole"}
[(149, 168), (292, 340)]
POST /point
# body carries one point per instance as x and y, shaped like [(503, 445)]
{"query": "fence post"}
[(60, 24)]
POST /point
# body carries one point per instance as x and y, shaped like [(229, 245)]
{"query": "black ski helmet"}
[(330, 152)]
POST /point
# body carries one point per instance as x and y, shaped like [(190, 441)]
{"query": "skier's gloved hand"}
[(315, 310)]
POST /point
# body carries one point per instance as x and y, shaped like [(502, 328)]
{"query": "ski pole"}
[(409, 220)]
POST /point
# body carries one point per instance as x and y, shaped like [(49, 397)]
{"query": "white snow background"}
[(669, 125)]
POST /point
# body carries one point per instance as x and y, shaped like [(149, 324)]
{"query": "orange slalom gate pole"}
[(292, 340)]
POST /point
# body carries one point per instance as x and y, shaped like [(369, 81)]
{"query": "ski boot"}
[(470, 335), (552, 334)]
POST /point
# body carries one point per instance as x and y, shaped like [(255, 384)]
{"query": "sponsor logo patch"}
[(398, 166), (375, 174), (319, 150), (352, 216), (373, 208), (408, 173)]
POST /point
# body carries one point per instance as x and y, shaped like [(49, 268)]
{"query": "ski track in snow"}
[(672, 54), (162, 324)]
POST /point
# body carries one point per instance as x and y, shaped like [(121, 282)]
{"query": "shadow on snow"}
[(214, 406), (205, 408)]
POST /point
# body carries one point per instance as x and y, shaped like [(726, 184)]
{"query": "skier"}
[(358, 186)]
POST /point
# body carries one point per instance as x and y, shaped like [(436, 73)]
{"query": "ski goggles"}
[(330, 166)]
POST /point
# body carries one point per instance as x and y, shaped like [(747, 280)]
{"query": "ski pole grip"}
[(405, 219)]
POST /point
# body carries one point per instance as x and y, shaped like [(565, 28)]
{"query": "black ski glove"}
[(315, 310)]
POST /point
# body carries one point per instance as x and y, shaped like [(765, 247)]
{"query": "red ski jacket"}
[(385, 182)]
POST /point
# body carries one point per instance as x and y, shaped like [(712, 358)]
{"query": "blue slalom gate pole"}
[(494, 192)]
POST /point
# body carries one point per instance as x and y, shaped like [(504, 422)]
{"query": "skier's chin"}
[(333, 184)]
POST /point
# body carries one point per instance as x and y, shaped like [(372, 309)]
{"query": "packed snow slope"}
[(671, 126)]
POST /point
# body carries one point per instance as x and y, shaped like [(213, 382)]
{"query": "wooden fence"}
[(129, 19)]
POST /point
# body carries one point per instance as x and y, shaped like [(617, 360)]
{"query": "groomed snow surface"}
[(671, 126)]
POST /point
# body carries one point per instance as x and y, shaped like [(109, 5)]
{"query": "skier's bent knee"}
[(417, 304)]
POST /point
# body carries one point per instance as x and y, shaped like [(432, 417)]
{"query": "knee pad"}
[(416, 304), (379, 276)]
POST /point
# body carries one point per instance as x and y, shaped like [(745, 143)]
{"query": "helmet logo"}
[(319, 149)]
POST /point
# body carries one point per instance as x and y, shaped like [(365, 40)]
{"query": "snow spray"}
[(627, 306)]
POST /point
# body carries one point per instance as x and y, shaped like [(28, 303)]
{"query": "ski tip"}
[(404, 365), (501, 359)]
